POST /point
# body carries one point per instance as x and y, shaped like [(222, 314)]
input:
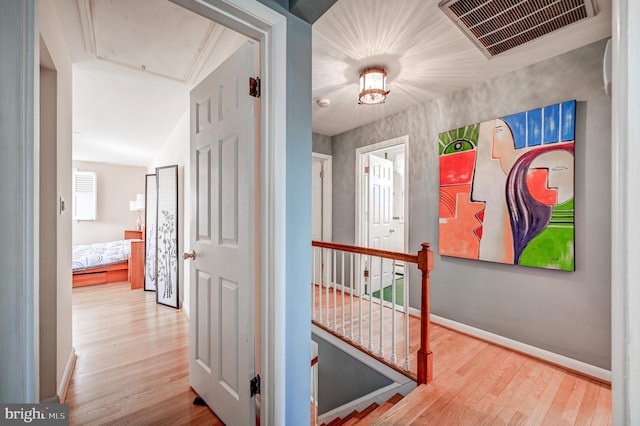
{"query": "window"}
[(84, 195)]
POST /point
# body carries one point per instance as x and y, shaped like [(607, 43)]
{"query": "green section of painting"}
[(459, 140), (553, 248)]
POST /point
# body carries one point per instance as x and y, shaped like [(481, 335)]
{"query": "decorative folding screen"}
[(151, 211), (167, 236)]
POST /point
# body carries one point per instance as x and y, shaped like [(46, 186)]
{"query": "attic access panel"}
[(496, 26)]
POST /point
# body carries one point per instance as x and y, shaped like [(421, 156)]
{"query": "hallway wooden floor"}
[(132, 366), (478, 383), (132, 369)]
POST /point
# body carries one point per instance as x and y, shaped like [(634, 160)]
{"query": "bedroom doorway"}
[(382, 182)]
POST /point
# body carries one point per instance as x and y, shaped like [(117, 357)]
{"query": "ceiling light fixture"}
[(373, 86)]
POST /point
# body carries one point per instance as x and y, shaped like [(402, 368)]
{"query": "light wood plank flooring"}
[(132, 368), (475, 382), (132, 365)]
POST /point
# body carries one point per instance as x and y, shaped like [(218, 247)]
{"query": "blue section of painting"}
[(534, 127), (518, 124), (552, 124), (568, 116), (543, 125)]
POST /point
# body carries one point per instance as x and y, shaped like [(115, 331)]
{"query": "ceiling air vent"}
[(496, 26)]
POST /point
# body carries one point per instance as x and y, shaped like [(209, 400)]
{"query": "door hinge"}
[(366, 169), (254, 87), (321, 175), (254, 384)]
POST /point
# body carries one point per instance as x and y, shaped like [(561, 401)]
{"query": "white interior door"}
[(223, 236), (380, 191), (316, 199)]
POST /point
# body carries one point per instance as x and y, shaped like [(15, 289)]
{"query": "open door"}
[(223, 238), (379, 217)]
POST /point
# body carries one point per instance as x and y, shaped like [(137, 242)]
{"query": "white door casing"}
[(223, 167), (323, 185), (316, 199), (380, 211)]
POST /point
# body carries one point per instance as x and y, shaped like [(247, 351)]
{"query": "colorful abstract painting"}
[(507, 188)]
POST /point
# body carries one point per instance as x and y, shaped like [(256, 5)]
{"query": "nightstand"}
[(136, 264), (131, 234)]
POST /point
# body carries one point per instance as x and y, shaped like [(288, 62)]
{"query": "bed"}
[(104, 263)]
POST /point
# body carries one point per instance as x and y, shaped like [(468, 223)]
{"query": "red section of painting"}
[(460, 233), (478, 230), (456, 169), (537, 184), (448, 199)]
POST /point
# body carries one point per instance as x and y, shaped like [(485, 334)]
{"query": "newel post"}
[(425, 357)]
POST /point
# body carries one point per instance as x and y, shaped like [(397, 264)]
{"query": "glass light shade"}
[(140, 201), (133, 206), (373, 86)]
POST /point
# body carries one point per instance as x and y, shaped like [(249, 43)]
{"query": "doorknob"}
[(191, 255)]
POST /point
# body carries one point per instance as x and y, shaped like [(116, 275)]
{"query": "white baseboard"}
[(63, 386), (185, 310), (548, 356)]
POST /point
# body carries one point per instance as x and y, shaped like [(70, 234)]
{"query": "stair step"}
[(408, 405), (335, 422), (395, 398), (366, 416), (362, 414), (351, 416), (375, 414)]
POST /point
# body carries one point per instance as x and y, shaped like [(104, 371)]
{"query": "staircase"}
[(367, 416)]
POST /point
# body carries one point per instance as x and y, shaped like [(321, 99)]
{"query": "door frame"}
[(259, 22), (327, 194), (361, 156)]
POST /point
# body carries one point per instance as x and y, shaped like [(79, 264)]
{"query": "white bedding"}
[(89, 256)]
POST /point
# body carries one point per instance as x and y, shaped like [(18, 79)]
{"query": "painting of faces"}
[(506, 189)]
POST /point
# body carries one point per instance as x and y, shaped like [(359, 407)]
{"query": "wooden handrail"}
[(404, 257), (424, 261)]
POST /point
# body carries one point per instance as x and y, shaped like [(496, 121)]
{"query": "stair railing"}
[(355, 294)]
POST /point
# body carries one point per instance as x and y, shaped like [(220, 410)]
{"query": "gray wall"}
[(564, 312), (116, 186), (342, 378), (321, 144)]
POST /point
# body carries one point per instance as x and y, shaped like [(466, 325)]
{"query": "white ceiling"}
[(123, 113), (134, 63), (426, 56)]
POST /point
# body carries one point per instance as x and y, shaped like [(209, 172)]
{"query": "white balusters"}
[(357, 274), (405, 296), (327, 284), (321, 276), (342, 293), (394, 355), (360, 292), (368, 281), (352, 288), (335, 304), (381, 349), (313, 282)]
